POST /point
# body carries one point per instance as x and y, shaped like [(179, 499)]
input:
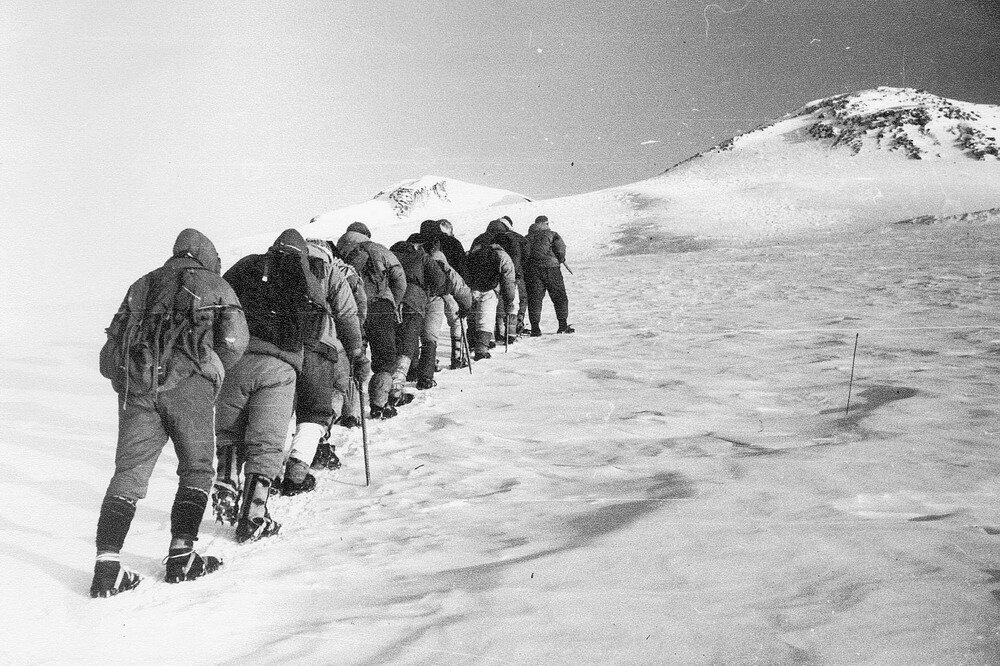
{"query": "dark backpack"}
[(511, 244), (273, 291), (484, 268), (163, 324)]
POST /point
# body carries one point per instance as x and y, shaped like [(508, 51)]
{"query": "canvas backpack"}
[(484, 269), (164, 322), (362, 257)]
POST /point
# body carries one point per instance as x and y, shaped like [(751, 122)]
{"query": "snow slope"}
[(678, 482), (853, 161), (393, 213)]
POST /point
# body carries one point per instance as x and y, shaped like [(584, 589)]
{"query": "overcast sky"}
[(124, 122)]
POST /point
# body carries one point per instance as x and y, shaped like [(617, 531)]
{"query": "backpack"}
[(484, 269), (164, 316), (511, 244), (363, 259), (273, 291)]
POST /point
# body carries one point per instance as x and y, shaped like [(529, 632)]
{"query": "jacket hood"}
[(539, 225), (320, 250), (430, 228), (496, 227), (290, 241), (349, 241), (360, 227), (192, 243)]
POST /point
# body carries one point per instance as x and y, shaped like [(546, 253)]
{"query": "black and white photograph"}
[(569, 332)]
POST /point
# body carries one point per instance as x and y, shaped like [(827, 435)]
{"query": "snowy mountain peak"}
[(434, 193), (914, 123)]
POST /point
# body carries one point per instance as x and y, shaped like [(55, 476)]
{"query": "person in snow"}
[(327, 364), (350, 417), (500, 232), (167, 384), (457, 300), (491, 278), (451, 247), (385, 285), (458, 294), (424, 281), (285, 308), (545, 253)]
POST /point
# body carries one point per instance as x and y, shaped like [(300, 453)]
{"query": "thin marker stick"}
[(851, 384)]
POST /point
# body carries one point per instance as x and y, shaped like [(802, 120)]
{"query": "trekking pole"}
[(506, 332), (851, 384), (465, 346)]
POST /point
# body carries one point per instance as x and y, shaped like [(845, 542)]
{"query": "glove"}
[(462, 312)]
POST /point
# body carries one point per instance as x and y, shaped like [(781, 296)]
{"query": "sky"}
[(125, 122)]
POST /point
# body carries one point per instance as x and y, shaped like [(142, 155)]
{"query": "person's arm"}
[(345, 314), (395, 275), (508, 282), (558, 248)]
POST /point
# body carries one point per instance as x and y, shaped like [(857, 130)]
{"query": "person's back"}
[(492, 281), (286, 308), (167, 377), (545, 248), (385, 286), (326, 370), (546, 252), (452, 248), (424, 281)]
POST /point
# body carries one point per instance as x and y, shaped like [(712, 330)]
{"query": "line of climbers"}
[(220, 365)]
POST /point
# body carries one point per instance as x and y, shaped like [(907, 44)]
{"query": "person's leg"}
[(407, 342), (486, 316), (522, 303), (269, 411), (314, 391), (380, 328), (536, 292), (230, 429), (429, 343), (189, 415), (141, 437), (560, 301)]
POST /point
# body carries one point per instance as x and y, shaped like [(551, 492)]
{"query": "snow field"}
[(677, 482)]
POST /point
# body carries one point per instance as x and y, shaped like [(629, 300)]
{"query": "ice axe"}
[(568, 268), (364, 424), (465, 345)]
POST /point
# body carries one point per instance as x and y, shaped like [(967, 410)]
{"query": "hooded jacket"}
[(285, 304), (424, 278), (218, 335), (384, 277), (544, 247)]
